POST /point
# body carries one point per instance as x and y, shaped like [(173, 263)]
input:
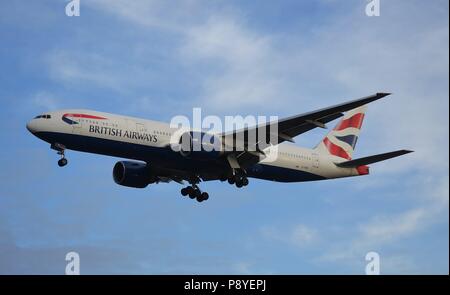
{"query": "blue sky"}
[(158, 59)]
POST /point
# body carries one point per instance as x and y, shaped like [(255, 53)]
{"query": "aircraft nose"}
[(31, 126)]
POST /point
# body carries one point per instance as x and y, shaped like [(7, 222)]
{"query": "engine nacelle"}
[(132, 174), (200, 145)]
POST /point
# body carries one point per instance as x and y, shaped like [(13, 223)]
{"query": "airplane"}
[(148, 146)]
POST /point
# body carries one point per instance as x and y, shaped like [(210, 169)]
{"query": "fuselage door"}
[(140, 128), (141, 132), (315, 161), (77, 125)]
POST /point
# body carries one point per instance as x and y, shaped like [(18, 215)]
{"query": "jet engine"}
[(132, 174)]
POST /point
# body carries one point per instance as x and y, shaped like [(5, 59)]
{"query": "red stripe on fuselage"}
[(84, 116), (354, 121), (335, 150)]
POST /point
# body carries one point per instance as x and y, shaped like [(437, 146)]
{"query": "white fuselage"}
[(149, 141)]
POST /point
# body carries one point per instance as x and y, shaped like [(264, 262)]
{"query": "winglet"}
[(377, 96), (383, 94)]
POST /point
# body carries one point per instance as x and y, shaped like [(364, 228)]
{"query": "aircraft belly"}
[(281, 174), (160, 156)]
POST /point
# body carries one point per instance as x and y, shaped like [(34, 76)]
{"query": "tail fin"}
[(341, 141)]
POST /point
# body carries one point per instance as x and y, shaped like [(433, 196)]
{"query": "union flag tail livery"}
[(341, 141), (149, 145)]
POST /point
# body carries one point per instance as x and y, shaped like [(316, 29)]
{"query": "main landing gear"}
[(238, 180), (194, 192), (60, 150)]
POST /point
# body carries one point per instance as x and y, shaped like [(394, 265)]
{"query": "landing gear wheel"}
[(184, 191), (60, 151), (239, 184), (203, 197), (194, 192), (245, 181), (62, 162), (191, 192), (231, 180)]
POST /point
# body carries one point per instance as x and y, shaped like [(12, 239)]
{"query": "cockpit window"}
[(43, 117)]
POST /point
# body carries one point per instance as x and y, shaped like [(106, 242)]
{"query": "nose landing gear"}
[(60, 151), (62, 162)]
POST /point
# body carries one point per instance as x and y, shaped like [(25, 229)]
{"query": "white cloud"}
[(242, 268), (375, 235), (382, 230), (246, 64), (385, 229), (303, 235), (299, 235), (75, 68), (171, 16), (46, 100)]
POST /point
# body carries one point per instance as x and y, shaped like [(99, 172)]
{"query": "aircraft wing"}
[(289, 127)]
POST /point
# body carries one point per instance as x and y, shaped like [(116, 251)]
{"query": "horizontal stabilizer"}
[(372, 159)]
